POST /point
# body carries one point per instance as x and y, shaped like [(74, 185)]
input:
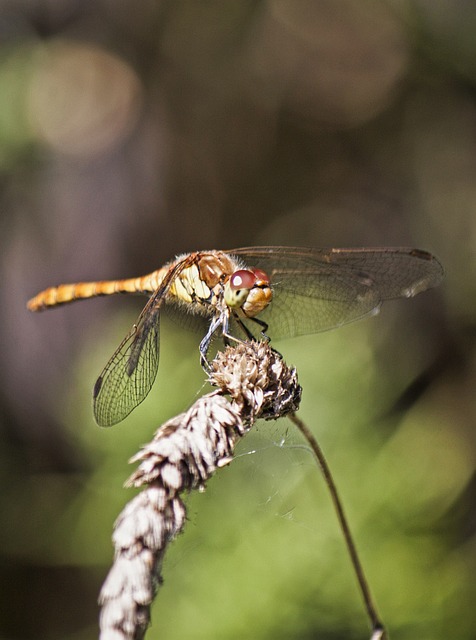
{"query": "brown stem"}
[(378, 629)]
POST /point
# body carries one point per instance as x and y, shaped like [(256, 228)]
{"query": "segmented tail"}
[(64, 293)]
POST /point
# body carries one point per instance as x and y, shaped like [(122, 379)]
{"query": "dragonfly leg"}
[(264, 327), (228, 339), (247, 332), (222, 320), (205, 343)]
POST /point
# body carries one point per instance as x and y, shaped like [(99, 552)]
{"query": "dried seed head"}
[(257, 379), (184, 453)]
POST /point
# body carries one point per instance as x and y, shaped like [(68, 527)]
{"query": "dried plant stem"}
[(252, 382), (184, 453), (378, 629)]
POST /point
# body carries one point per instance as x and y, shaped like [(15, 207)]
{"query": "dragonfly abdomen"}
[(64, 293)]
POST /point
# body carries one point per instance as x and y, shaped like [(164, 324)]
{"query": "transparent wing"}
[(319, 289), (129, 375)]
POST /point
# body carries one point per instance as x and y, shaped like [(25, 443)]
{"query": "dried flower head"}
[(183, 455)]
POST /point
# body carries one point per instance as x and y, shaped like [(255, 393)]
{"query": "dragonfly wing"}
[(319, 289), (129, 375), (307, 304)]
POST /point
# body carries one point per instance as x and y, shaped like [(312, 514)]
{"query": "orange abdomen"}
[(65, 293)]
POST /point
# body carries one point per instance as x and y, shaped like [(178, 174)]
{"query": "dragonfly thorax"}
[(248, 290)]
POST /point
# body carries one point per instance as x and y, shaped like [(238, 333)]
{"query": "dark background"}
[(133, 131)]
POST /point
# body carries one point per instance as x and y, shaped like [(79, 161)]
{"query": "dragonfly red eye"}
[(242, 279), (261, 275)]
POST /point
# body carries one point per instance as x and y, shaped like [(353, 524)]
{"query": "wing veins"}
[(130, 373)]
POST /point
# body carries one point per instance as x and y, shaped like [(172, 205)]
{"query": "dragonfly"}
[(242, 294)]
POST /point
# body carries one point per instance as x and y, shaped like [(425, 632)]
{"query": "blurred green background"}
[(133, 131)]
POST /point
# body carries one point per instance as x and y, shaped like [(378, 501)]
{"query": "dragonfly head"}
[(249, 290)]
